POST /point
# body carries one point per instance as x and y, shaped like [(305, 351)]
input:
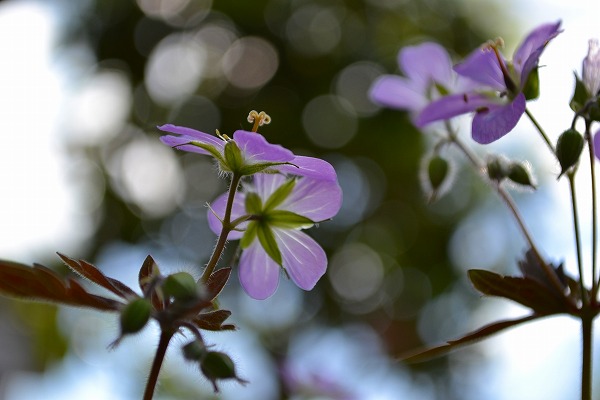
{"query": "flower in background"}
[(246, 154), (508, 86), (590, 71), (429, 76), (278, 208)]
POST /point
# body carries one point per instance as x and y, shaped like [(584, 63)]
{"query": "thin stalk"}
[(163, 344), (587, 349), (541, 131), (571, 176), (506, 197), (595, 283), (220, 246)]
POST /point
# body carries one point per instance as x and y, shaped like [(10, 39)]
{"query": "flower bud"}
[(194, 351), (437, 171), (520, 175), (498, 168), (568, 149), (135, 315), (181, 286), (216, 365)]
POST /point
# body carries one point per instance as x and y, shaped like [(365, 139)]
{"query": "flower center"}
[(259, 119)]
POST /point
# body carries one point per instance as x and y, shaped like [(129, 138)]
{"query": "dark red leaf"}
[(524, 290), (92, 273), (216, 282), (213, 321), (149, 272), (41, 283), (469, 338)]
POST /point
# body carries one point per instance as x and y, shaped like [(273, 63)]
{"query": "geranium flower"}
[(499, 108), (429, 76), (271, 240), (246, 154), (590, 71)]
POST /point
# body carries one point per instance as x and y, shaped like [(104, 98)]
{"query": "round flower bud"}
[(568, 149), (181, 286), (135, 315), (216, 365), (520, 175), (497, 168), (437, 171), (194, 351)]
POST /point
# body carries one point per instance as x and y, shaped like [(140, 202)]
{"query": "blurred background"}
[(83, 86)]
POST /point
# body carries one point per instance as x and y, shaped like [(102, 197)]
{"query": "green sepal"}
[(580, 95), (234, 161), (442, 90), (249, 235), (289, 220), (531, 90), (253, 203), (210, 148), (252, 169), (268, 242), (593, 111), (568, 149), (280, 195)]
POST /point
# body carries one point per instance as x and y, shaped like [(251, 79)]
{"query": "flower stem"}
[(587, 323), (163, 344), (506, 197), (571, 176), (220, 246), (595, 283), (541, 131)]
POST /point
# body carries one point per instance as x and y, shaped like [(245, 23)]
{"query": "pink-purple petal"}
[(426, 63), (315, 199), (258, 273), (309, 167), (255, 148), (266, 184), (490, 125), (597, 144), (451, 106), (527, 54), (189, 134), (398, 92), (303, 258), (218, 207), (483, 66)]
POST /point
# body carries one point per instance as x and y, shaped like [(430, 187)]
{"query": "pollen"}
[(259, 119)]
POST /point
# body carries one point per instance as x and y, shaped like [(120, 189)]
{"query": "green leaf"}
[(469, 338), (580, 95), (289, 220), (268, 242), (523, 290), (253, 204), (280, 195), (249, 235), (531, 90)]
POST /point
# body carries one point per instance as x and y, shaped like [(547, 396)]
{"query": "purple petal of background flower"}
[(303, 258), (597, 144), (528, 53), (258, 273), (497, 121), (398, 92), (482, 66), (188, 135), (426, 63), (453, 105)]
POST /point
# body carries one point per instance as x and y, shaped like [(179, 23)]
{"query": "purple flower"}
[(590, 70), (429, 75), (246, 154), (280, 207), (499, 108)]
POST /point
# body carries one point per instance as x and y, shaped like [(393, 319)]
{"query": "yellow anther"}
[(222, 136), (495, 44), (259, 119)]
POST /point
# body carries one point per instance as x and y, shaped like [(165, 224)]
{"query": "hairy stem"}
[(220, 246), (163, 344), (571, 176)]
